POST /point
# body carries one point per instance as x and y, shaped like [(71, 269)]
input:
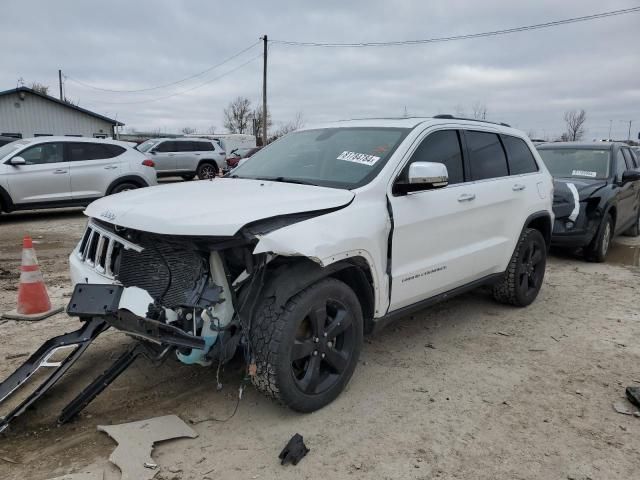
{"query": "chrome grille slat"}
[(98, 255), (97, 246)]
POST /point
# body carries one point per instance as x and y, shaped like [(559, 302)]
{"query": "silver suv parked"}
[(185, 157), (48, 172)]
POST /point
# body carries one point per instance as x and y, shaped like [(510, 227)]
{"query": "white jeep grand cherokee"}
[(327, 233)]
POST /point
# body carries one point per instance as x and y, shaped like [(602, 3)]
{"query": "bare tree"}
[(575, 120), (459, 111), (237, 116), (188, 130), (40, 88), (212, 130), (292, 126), (479, 111)]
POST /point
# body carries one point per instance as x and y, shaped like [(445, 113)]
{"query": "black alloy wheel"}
[(324, 342)]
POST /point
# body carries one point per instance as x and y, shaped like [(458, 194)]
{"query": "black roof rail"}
[(448, 116)]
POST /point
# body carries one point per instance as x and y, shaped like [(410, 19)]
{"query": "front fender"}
[(333, 238)]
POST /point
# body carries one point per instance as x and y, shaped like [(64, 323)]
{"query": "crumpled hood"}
[(212, 208), (566, 189)]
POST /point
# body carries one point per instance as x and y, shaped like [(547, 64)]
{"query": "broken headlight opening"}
[(188, 296)]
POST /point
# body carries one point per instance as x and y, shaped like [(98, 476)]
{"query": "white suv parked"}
[(186, 157), (47, 172), (335, 231)]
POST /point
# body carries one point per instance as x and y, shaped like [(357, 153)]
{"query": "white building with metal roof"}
[(27, 113)]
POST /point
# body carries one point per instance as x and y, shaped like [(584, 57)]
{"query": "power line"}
[(186, 90), (525, 28), (199, 74)]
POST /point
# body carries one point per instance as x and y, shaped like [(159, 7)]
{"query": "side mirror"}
[(423, 176), (627, 176), (17, 161)]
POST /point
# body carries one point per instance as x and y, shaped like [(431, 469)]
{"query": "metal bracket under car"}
[(77, 342)]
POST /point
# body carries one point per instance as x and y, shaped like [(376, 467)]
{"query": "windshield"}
[(576, 162), (11, 147), (331, 157), (145, 146)]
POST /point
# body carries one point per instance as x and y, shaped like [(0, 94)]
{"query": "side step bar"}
[(77, 341)]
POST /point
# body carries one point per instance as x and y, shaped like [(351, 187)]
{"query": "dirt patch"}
[(467, 389)]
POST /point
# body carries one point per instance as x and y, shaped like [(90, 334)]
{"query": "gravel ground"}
[(467, 389)]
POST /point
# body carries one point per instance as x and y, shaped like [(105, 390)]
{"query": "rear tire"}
[(123, 187), (597, 250), (525, 272), (307, 349), (207, 171)]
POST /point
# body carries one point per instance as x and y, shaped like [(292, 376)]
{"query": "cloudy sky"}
[(526, 79)]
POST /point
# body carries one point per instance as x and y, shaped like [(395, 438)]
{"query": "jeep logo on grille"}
[(109, 215)]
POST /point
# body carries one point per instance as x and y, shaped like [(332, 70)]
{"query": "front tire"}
[(307, 349), (207, 171), (525, 272), (599, 246)]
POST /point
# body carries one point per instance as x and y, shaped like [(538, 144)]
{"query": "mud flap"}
[(77, 342)]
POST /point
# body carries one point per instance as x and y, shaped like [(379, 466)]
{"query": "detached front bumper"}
[(116, 305)]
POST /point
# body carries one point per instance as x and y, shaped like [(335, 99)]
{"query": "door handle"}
[(518, 187), (59, 171), (110, 167), (466, 197)]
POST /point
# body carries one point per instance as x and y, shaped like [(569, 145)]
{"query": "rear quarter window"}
[(519, 156), (203, 147)]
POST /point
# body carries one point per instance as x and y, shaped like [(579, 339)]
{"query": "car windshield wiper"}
[(287, 180)]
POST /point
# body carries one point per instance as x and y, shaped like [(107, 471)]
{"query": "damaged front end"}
[(176, 295), (577, 211), (172, 291)]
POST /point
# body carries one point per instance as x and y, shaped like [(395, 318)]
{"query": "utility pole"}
[(264, 93), (629, 122), (609, 137), (60, 83)]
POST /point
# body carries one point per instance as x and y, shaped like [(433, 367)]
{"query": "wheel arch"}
[(210, 161), (297, 273), (540, 221), (139, 181), (6, 204)]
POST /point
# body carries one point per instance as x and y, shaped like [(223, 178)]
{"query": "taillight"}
[(148, 163)]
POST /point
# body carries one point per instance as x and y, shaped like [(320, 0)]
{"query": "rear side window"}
[(634, 158), (166, 147), (519, 155), (486, 155), (441, 147), (93, 151)]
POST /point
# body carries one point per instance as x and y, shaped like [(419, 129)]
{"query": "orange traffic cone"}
[(33, 300)]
